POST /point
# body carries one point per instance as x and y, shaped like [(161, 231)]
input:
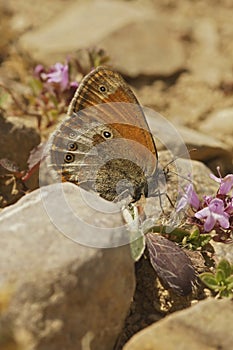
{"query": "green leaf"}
[(209, 279), (229, 282), (175, 234), (220, 276), (205, 238), (195, 233), (225, 266), (225, 293), (137, 246)]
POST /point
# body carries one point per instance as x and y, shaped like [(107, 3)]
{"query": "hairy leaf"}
[(172, 265)]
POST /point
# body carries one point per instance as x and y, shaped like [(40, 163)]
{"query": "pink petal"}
[(194, 200), (38, 70), (215, 178), (216, 206), (203, 213), (209, 223), (224, 221), (226, 184)]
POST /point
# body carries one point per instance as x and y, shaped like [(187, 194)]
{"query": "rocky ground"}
[(54, 293)]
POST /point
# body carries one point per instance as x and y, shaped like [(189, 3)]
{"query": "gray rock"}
[(183, 101), (220, 124), (132, 47), (223, 251), (136, 38), (207, 61), (80, 25), (204, 326), (65, 295), (184, 168), (209, 149), (176, 138)]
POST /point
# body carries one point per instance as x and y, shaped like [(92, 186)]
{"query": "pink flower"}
[(189, 197), (207, 199), (59, 74), (39, 69), (213, 213), (226, 183)]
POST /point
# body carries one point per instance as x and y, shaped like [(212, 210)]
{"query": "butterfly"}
[(105, 145)]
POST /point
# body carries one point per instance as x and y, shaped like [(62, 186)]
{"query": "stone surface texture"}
[(204, 326), (64, 295)]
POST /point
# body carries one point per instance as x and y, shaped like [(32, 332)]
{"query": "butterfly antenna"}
[(179, 156), (167, 171), (159, 194), (181, 176)]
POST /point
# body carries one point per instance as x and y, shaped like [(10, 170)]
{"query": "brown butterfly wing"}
[(80, 153), (90, 91), (106, 86)]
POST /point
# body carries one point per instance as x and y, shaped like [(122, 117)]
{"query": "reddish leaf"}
[(36, 155), (172, 265)]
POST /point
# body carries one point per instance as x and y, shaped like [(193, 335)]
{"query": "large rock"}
[(207, 45), (178, 139), (220, 124), (145, 48), (207, 148), (137, 37), (64, 295), (204, 326), (80, 25)]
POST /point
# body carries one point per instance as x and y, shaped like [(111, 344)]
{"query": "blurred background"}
[(177, 55)]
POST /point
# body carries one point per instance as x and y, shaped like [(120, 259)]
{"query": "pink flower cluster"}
[(57, 77), (212, 213)]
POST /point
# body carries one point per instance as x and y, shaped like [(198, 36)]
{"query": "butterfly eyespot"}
[(72, 135), (102, 88), (107, 134), (72, 146), (69, 158)]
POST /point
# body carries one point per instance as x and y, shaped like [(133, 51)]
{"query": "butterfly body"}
[(104, 145)]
